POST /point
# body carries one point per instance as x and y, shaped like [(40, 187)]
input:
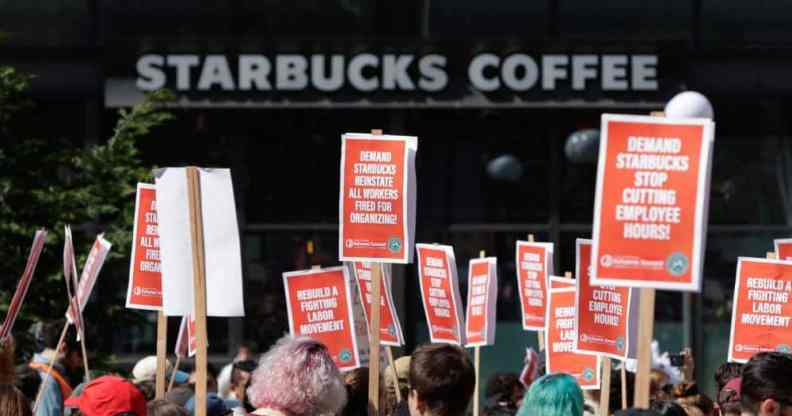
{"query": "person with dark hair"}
[(356, 382), (165, 408), (13, 402), (56, 385), (667, 408), (634, 411), (687, 395), (245, 352), (729, 400), (503, 394), (148, 388), (442, 379), (241, 375), (727, 371), (766, 385)]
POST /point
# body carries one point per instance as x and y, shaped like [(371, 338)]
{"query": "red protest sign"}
[(377, 198), (390, 328), (145, 278), (762, 314), (319, 304), (558, 282), (651, 202), (607, 316), (560, 355), (480, 318), (93, 264), (70, 277), (185, 341), (24, 283), (437, 275), (783, 248), (534, 265)]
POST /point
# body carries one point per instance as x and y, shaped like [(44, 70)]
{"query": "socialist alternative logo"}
[(588, 374), (677, 264), (394, 244), (345, 355)]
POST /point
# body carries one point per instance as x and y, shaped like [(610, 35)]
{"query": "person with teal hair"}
[(553, 395)]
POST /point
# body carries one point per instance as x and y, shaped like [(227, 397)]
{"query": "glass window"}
[(509, 18), (724, 22), (625, 19)]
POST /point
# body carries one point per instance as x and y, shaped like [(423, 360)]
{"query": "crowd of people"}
[(297, 377)]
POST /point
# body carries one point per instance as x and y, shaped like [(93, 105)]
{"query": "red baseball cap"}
[(109, 396)]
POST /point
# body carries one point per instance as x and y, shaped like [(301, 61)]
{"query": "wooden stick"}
[(568, 275), (173, 373), (162, 354), (624, 385), (47, 375), (645, 333), (392, 363), (477, 364), (374, 339), (85, 357), (771, 255), (605, 386), (199, 282)]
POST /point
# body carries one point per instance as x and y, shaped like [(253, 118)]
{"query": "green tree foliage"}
[(47, 183)]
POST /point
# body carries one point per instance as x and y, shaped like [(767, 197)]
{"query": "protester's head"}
[(241, 374), (766, 387), (634, 411), (47, 334), (729, 400), (27, 380), (687, 395), (553, 395), (658, 380), (180, 395), (211, 378), (215, 406), (667, 408), (109, 396), (245, 351), (395, 377), (145, 370), (727, 371), (148, 389), (505, 388), (165, 408), (298, 376), (356, 382), (441, 380), (615, 400), (13, 402), (71, 354)]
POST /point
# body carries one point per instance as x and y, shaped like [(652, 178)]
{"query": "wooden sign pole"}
[(624, 385), (540, 336), (374, 339), (477, 365), (645, 333), (162, 343), (374, 331), (199, 282), (605, 386), (392, 363), (173, 373)]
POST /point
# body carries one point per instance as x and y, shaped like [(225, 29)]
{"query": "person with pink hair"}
[(297, 377)]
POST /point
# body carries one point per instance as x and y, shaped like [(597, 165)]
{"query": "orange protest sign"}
[(607, 316), (145, 278), (651, 202), (783, 248), (534, 265), (480, 318), (558, 282), (762, 314), (437, 275), (390, 327), (377, 198), (319, 304), (560, 355)]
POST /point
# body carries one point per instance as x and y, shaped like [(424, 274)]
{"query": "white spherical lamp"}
[(689, 104)]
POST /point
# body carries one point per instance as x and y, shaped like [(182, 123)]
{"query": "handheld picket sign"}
[(439, 283)]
